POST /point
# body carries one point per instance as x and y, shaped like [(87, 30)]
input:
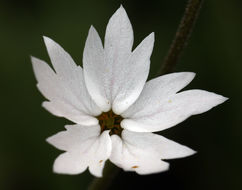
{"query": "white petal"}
[(71, 76), (95, 70), (67, 163), (156, 90), (117, 47), (67, 85), (61, 109), (131, 77), (157, 145), (173, 110), (133, 153), (116, 76), (119, 36), (84, 147), (47, 80), (60, 59)]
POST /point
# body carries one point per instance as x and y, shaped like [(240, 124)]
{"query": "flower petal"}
[(119, 35), (61, 109), (172, 110), (138, 152), (157, 145), (95, 70), (156, 90), (60, 59), (67, 163), (66, 85), (131, 77), (115, 76), (84, 147)]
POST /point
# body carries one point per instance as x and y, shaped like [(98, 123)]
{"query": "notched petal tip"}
[(92, 33), (218, 99), (49, 140), (63, 165), (187, 152), (178, 154), (34, 60), (49, 43), (167, 167), (41, 69), (120, 12), (189, 75), (47, 39), (149, 41), (193, 152), (224, 99), (52, 140), (95, 173), (152, 36), (186, 74), (92, 28), (192, 74), (121, 8)]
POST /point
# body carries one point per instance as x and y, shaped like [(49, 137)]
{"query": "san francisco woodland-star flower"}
[(114, 108)]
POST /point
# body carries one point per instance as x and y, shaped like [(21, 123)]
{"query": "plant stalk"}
[(109, 173), (182, 36)]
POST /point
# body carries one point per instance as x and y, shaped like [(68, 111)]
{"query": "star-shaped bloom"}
[(114, 109)]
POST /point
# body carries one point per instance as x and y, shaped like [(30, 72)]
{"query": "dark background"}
[(214, 53)]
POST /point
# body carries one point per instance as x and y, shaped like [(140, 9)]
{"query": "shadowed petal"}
[(84, 147), (134, 154)]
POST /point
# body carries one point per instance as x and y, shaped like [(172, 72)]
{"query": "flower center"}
[(110, 121)]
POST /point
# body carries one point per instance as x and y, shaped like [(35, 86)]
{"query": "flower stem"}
[(109, 173), (182, 36)]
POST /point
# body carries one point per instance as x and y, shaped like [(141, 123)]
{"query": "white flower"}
[(114, 108)]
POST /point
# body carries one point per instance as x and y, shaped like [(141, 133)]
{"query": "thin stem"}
[(109, 173), (182, 35)]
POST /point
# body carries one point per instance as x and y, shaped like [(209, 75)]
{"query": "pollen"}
[(110, 121), (135, 167), (169, 101), (100, 161)]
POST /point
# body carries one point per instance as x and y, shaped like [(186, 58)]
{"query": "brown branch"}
[(182, 36)]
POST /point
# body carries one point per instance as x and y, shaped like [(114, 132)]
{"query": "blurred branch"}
[(182, 35), (109, 173)]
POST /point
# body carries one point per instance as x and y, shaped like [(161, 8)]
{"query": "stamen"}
[(110, 121)]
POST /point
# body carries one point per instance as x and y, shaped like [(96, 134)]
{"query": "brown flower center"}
[(110, 121)]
